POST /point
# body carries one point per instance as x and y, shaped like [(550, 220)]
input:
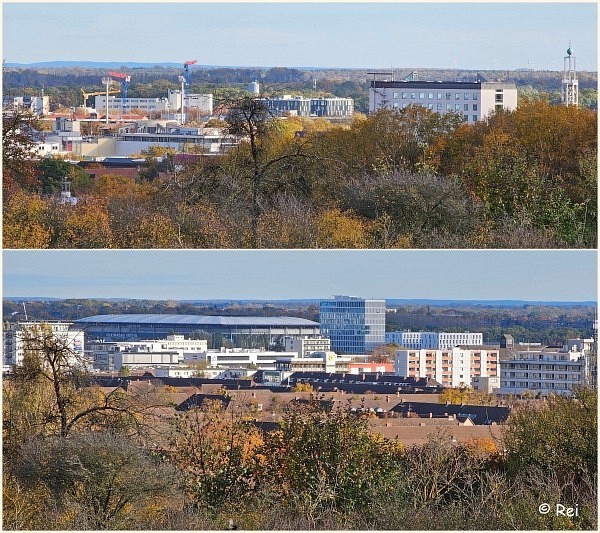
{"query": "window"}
[(439, 96), (457, 96), (395, 95), (421, 95), (430, 106), (448, 107), (413, 96), (475, 96), (474, 118), (395, 104), (404, 104), (466, 107), (404, 96), (431, 96), (499, 97), (465, 118), (439, 107), (457, 107), (466, 95), (448, 96), (474, 107)]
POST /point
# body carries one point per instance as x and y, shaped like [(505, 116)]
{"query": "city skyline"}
[(391, 35), (531, 275)]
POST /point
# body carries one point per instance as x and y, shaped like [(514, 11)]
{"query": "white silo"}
[(254, 88)]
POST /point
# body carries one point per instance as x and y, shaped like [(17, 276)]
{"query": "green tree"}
[(327, 459), (53, 173), (19, 154), (560, 435)]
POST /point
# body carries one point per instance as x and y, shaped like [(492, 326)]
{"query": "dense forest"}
[(394, 179), (80, 457), (546, 324)]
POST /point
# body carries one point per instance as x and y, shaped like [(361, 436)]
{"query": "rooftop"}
[(199, 320)]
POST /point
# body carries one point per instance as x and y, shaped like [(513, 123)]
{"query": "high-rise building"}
[(354, 325)]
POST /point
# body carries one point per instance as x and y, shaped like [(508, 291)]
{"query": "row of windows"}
[(457, 108), (431, 96), (537, 375), (534, 385)]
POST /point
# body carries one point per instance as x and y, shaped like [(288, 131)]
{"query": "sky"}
[(533, 275), (485, 36)]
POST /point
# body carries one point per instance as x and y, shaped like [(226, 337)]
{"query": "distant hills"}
[(128, 64), (309, 301)]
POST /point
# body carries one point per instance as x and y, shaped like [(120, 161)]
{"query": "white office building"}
[(116, 105), (203, 103), (17, 337), (431, 340), (307, 345), (453, 367), (172, 350), (474, 101)]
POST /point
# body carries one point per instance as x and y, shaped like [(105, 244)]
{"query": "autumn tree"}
[(52, 394), (560, 435), (322, 460), (19, 154), (94, 480), (217, 453), (257, 159)]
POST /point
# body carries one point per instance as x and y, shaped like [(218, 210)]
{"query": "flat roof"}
[(200, 320)]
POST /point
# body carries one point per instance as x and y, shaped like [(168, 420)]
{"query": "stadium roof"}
[(199, 320)]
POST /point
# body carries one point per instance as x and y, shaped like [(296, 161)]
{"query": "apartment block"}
[(544, 372), (454, 367)]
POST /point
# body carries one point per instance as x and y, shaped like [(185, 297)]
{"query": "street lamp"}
[(182, 80), (106, 81)]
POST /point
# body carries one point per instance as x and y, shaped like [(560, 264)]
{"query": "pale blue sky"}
[(363, 35), (235, 274)]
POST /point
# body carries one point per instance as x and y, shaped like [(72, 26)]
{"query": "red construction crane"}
[(125, 79), (187, 71)]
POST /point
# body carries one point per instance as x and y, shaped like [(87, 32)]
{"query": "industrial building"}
[(354, 325), (241, 331), (454, 367), (474, 101), (431, 340)]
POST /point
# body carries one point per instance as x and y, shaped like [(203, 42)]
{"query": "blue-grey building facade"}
[(354, 325)]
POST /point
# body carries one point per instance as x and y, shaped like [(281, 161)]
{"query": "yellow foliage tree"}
[(341, 230)]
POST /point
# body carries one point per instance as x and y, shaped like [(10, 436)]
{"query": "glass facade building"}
[(354, 325)]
